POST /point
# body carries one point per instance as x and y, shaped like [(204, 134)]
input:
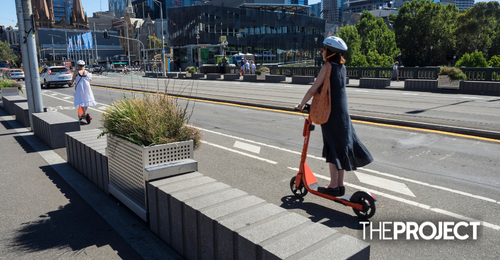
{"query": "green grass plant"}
[(453, 73), (150, 120), (8, 83)]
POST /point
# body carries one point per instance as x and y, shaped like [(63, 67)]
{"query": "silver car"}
[(15, 74), (55, 76)]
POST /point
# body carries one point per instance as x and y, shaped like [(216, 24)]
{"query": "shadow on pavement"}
[(75, 225), (449, 105), (334, 218)]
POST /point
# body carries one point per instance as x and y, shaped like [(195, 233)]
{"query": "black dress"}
[(341, 145)]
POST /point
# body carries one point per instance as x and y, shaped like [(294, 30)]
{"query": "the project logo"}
[(443, 230)]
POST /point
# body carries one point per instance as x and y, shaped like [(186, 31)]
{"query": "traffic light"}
[(1, 29), (106, 34)]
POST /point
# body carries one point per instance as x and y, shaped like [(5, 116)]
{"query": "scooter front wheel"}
[(368, 206), (301, 191)]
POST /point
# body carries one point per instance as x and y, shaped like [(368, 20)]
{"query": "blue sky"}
[(9, 17)]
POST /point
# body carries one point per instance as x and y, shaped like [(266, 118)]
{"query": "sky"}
[(9, 16)]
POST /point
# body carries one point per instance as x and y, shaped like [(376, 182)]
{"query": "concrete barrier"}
[(197, 76), (22, 113), (8, 103), (172, 74), (51, 127), (213, 76), (302, 79), (480, 87), (87, 154), (10, 91), (421, 84), (275, 78), (374, 82), (205, 219), (231, 76), (250, 77)]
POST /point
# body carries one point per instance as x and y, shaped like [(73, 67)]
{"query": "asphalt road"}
[(417, 175)]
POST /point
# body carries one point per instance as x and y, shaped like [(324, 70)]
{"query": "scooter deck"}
[(315, 187)]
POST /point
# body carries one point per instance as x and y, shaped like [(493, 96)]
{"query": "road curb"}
[(428, 126)]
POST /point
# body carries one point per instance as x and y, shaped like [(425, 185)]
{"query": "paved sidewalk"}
[(50, 211)]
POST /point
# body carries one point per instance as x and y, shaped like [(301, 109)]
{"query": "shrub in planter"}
[(453, 73), (149, 120), (264, 69), (8, 83), (191, 70), (257, 72)]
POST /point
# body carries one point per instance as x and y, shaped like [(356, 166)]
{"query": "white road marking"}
[(241, 153), (384, 183), (247, 147), (410, 202), (431, 185), (62, 99), (372, 171), (259, 143)]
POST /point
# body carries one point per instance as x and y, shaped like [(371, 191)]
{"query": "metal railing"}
[(473, 74)]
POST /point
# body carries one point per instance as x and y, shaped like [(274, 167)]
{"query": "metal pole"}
[(67, 52), (95, 45), (128, 44), (53, 49), (25, 60), (31, 65), (162, 42)]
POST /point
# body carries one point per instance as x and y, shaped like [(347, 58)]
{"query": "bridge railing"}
[(473, 74)]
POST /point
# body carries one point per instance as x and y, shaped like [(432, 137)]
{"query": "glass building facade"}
[(246, 30), (62, 9)]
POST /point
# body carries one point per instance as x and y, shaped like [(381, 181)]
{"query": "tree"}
[(375, 35), (475, 28), (370, 42), (475, 59), (153, 43), (351, 37), (494, 61), (6, 53), (420, 25)]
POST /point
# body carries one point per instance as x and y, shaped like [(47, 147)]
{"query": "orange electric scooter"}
[(82, 116), (362, 202)]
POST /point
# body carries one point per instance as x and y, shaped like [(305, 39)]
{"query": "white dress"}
[(83, 94)]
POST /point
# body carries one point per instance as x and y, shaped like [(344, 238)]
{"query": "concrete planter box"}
[(213, 76), (262, 76), (374, 82), (446, 83), (9, 91), (197, 75), (421, 84), (131, 166), (250, 77), (171, 74)]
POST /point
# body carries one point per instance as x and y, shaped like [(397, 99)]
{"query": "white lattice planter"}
[(128, 163), (445, 82), (9, 91)]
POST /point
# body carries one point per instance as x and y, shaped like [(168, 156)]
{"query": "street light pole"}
[(315, 46), (162, 38), (197, 46), (399, 58), (53, 49), (431, 56)]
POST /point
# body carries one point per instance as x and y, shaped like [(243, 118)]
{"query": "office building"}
[(315, 10), (252, 28), (62, 10)]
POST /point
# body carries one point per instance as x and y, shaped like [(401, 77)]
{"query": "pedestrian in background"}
[(83, 93), (395, 71)]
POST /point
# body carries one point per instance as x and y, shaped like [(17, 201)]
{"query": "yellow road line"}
[(299, 113)]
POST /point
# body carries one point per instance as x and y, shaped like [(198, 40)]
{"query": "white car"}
[(55, 76), (15, 74)]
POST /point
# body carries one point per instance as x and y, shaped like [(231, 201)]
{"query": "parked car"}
[(55, 76), (16, 74)]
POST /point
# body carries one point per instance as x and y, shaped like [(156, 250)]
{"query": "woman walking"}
[(83, 95), (341, 146)]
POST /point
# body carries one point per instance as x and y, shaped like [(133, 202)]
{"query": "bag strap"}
[(327, 76)]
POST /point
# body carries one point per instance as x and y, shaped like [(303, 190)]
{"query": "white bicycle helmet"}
[(80, 63), (335, 44)]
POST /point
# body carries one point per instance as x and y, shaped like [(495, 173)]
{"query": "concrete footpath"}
[(50, 211)]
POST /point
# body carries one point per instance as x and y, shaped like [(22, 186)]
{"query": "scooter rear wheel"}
[(88, 119), (368, 206), (301, 191)]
